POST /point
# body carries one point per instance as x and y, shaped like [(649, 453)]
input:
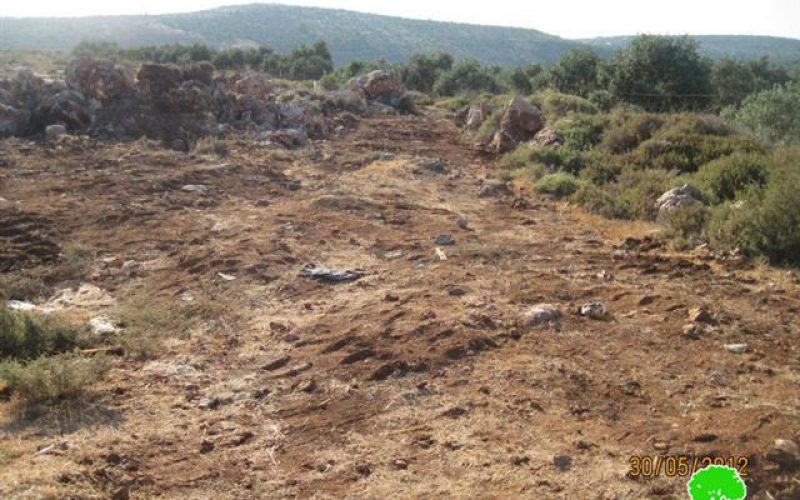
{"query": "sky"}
[(565, 18)]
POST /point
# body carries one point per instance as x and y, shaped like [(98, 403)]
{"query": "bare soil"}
[(419, 379)]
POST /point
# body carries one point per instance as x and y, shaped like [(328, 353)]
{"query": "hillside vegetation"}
[(350, 35)]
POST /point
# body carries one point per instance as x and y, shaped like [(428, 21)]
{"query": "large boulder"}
[(97, 79), (13, 121), (521, 121), (70, 108), (254, 85), (383, 84), (192, 96), (202, 72), (683, 196)]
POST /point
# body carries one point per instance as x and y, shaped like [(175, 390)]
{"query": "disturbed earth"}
[(368, 334)]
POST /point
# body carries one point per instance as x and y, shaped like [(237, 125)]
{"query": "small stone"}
[(307, 386), (444, 239), (463, 223), (736, 348), (400, 464), (785, 453), (542, 314), (562, 462), (594, 310), (390, 297), (208, 403), (277, 363), (226, 277), (122, 493), (53, 132), (457, 292), (700, 315), (364, 469), (492, 188), (605, 275), (647, 300), (692, 331), (206, 446)]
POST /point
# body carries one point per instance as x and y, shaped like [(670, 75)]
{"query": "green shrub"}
[(581, 132), (560, 184), (559, 158), (772, 115), (24, 336), (767, 220), (687, 152), (467, 76), (631, 131), (723, 178), (685, 225), (556, 105), (600, 201), (600, 167), (51, 377), (636, 191), (488, 127), (602, 99)]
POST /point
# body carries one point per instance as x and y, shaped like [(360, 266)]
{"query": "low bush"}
[(764, 220), (559, 184), (24, 336), (581, 132), (556, 105), (685, 226), (687, 152), (51, 377), (723, 178)]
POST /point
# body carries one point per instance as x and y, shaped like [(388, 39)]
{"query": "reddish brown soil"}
[(419, 379)]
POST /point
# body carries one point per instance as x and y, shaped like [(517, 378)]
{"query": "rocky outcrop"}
[(683, 196), (97, 79), (521, 121), (547, 137)]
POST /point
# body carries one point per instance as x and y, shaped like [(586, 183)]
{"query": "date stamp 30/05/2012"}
[(681, 466)]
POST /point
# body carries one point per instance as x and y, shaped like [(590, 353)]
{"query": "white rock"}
[(53, 132), (20, 305), (542, 314), (194, 188), (736, 348), (226, 277), (594, 310), (102, 325)]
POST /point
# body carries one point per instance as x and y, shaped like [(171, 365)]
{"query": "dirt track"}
[(417, 380)]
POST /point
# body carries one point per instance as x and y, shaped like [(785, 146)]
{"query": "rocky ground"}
[(422, 373)]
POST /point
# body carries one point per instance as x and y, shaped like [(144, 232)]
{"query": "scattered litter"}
[(194, 188), (440, 253), (329, 275), (736, 348), (226, 277)]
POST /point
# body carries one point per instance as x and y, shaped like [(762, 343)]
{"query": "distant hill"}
[(350, 35), (779, 50)]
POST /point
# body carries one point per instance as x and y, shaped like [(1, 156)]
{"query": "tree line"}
[(658, 73)]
